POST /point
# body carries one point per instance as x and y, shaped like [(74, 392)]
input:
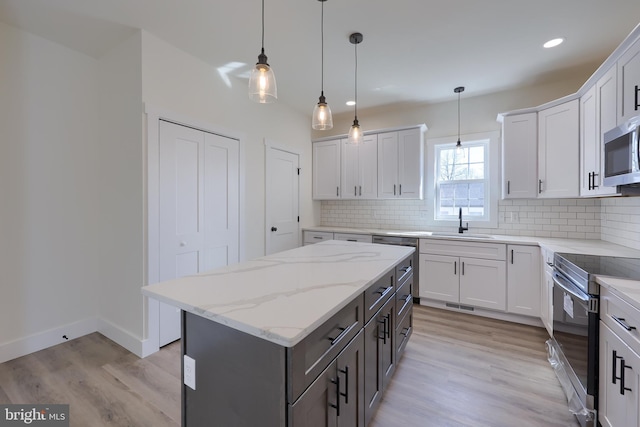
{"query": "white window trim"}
[(493, 167)]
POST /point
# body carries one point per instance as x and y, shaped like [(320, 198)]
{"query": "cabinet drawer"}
[(316, 236), (364, 238), (404, 269), (404, 298), (621, 317), (403, 332), (308, 358), (497, 251), (377, 294)]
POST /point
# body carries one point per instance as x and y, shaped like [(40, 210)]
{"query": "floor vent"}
[(460, 307)]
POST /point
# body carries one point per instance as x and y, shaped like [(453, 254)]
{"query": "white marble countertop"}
[(627, 290), (285, 296)]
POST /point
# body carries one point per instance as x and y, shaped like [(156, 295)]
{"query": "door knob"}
[(274, 228)]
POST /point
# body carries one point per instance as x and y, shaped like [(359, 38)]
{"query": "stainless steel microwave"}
[(622, 154)]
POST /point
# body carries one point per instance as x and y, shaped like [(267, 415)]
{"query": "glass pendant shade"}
[(355, 133), (262, 83), (322, 119)]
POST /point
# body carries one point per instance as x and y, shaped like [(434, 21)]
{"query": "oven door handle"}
[(570, 288)]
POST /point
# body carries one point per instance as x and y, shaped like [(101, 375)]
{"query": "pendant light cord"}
[(458, 117), (322, 48), (263, 26), (356, 83)]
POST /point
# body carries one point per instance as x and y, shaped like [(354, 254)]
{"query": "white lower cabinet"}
[(468, 280), (619, 379), (523, 280)]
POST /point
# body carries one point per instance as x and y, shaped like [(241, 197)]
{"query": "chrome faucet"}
[(461, 229)]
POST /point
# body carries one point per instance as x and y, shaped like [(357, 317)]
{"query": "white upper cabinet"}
[(519, 156), (629, 83), (558, 148), (326, 169), (360, 169), (607, 98), (401, 164), (589, 143)]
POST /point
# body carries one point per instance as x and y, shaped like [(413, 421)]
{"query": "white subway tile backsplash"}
[(615, 219)]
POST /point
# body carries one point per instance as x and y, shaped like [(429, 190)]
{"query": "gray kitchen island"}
[(305, 337)]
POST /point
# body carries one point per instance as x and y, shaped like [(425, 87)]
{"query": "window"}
[(460, 180), (466, 179)]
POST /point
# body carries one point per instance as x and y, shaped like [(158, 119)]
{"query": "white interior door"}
[(281, 193), (198, 209)]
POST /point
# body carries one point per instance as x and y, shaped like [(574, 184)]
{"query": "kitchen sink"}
[(461, 235)]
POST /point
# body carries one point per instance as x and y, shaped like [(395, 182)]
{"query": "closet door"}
[(198, 208)]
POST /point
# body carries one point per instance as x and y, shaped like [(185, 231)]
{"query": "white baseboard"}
[(124, 338), (509, 317), (36, 342)]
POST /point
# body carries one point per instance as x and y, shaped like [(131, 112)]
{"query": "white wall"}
[(120, 238), (48, 209), (176, 81)]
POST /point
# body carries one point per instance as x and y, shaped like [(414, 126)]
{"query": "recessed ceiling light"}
[(553, 43), (350, 103)]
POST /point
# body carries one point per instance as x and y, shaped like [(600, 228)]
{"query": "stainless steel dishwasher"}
[(405, 241)]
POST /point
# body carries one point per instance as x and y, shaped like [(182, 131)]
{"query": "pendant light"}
[(322, 119), (355, 133), (262, 83), (459, 90)]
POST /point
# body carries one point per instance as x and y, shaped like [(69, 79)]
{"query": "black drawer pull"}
[(318, 237), (622, 375), (345, 371), (405, 331), (344, 332), (637, 105), (622, 322), (336, 381), (351, 240), (383, 291), (614, 363)]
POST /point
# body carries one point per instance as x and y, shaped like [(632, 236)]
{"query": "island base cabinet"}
[(335, 398), (379, 350), (251, 371)]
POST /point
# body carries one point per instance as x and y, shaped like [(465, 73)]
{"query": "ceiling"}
[(414, 51)]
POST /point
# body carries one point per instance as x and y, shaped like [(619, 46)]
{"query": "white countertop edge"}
[(625, 289)]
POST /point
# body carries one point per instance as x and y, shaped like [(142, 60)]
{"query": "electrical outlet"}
[(189, 372), (515, 217)]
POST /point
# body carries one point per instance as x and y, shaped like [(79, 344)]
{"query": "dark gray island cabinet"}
[(331, 372)]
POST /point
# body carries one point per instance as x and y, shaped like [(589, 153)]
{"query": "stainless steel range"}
[(574, 347)]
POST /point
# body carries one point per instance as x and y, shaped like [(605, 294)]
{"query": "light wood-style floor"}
[(457, 370)]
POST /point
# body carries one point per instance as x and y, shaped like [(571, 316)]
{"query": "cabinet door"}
[(519, 156), (379, 357), (523, 280), (350, 365), (326, 170), (410, 164), (558, 143), (368, 168), (317, 407), (607, 95), (349, 175), (619, 381), (483, 283), (629, 84), (546, 290), (589, 142), (439, 277), (388, 165)]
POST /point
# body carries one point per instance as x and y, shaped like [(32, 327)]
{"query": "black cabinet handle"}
[(405, 331), (511, 256), (614, 363), (360, 188), (622, 322), (394, 189), (637, 90), (508, 187), (336, 381), (274, 228), (589, 184), (337, 191), (455, 267), (539, 186), (345, 371), (401, 184), (343, 332), (355, 190), (622, 375), (462, 269)]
